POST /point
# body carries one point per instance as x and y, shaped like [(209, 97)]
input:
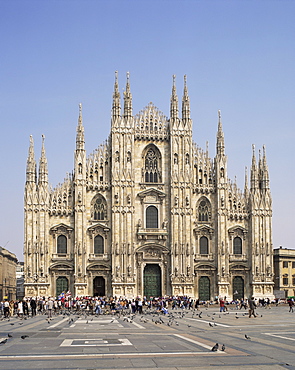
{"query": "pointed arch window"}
[(152, 166), (99, 211), (204, 211), (237, 245), (152, 217), (204, 245), (98, 245), (61, 244)]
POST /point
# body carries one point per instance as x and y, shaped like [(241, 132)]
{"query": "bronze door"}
[(152, 281), (238, 287), (204, 288), (99, 287), (62, 285)]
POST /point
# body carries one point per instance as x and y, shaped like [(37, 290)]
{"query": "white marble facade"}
[(148, 213)]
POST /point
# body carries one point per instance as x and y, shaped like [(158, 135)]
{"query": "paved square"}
[(182, 339)]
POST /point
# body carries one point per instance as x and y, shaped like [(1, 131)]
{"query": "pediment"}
[(98, 267), (97, 226), (238, 267), (152, 192), (206, 228), (61, 226), (236, 228), (61, 229), (63, 266), (205, 267), (147, 247)]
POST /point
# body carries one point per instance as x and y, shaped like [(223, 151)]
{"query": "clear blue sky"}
[(239, 57)]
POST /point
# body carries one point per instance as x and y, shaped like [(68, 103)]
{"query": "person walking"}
[(291, 304), (221, 305), (252, 306), (33, 307)]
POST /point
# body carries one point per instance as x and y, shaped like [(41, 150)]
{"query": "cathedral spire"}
[(116, 109), (127, 99), (220, 137), (265, 176), (246, 190), (174, 101), (254, 172), (43, 170), (31, 163), (80, 141), (185, 102)]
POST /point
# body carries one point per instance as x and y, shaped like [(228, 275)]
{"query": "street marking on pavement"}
[(138, 325), (280, 336), (58, 323), (100, 342), (193, 341), (212, 322), (112, 355)]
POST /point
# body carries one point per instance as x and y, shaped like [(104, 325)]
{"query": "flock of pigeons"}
[(170, 319)]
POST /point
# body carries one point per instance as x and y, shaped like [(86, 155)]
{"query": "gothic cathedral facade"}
[(148, 213)]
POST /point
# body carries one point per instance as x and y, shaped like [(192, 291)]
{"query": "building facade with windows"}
[(8, 263), (148, 213), (284, 270)]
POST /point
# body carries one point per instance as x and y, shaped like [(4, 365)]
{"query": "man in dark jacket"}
[(33, 305), (252, 306)]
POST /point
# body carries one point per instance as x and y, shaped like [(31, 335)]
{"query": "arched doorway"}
[(152, 281), (99, 287), (62, 285), (204, 288), (238, 287)]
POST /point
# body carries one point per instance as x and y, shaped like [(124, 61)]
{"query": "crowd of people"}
[(104, 305)]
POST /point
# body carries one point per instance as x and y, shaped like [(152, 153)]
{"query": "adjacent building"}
[(8, 263), (20, 289), (284, 269), (148, 213)]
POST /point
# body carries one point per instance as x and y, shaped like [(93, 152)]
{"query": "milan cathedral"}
[(148, 213)]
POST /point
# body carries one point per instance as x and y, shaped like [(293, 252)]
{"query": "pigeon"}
[(215, 348), (211, 324), (24, 336), (247, 337), (11, 323), (3, 341), (223, 348), (9, 335)]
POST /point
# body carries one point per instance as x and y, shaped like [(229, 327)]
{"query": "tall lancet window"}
[(152, 166), (98, 211), (204, 210)]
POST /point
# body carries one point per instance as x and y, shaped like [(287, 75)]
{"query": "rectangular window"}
[(293, 281), (293, 265), (285, 281), (285, 264)]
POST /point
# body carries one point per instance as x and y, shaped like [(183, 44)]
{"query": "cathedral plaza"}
[(148, 213), (179, 340)]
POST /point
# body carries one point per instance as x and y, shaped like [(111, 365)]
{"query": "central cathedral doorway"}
[(238, 287), (152, 281), (204, 288), (99, 289), (62, 285)]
